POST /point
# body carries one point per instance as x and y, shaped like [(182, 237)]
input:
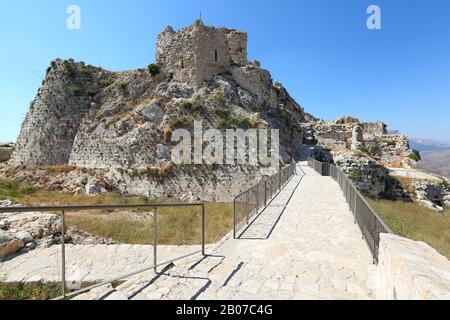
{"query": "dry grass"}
[(406, 180), (60, 169), (56, 198), (177, 226), (413, 221), (393, 165), (167, 133)]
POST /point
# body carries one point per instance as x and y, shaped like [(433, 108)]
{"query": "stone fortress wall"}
[(50, 127)]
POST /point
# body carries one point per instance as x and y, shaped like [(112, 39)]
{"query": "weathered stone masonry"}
[(197, 53)]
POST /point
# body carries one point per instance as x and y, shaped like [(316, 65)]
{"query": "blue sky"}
[(321, 50)]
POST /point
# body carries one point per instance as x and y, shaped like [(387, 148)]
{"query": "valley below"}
[(436, 161)]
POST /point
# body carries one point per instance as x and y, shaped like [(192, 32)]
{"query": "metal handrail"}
[(370, 222), (258, 196), (154, 207)]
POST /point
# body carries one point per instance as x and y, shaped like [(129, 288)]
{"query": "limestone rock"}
[(9, 244), (411, 270), (153, 113), (162, 151), (447, 199), (5, 153), (74, 180), (29, 230), (432, 195), (5, 203), (37, 224), (24, 236), (93, 187)]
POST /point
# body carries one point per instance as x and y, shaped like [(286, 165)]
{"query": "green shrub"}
[(91, 92), (179, 122), (68, 69), (186, 105), (86, 71), (219, 99), (223, 124), (74, 91), (122, 85), (354, 174), (105, 82), (153, 69), (29, 291), (415, 155), (222, 113), (358, 154), (11, 188), (374, 149), (362, 149), (242, 122)]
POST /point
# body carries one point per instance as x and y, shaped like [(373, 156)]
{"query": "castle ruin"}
[(198, 52)]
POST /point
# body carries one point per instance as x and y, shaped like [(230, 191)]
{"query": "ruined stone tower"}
[(197, 53)]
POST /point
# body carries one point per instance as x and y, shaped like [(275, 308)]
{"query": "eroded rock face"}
[(93, 187), (9, 244), (434, 196)]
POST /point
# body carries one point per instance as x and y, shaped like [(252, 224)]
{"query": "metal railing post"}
[(257, 197), (203, 230), (63, 255), (246, 207), (265, 192), (234, 218), (155, 240), (279, 180)]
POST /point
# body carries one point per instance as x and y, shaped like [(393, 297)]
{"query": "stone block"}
[(411, 270)]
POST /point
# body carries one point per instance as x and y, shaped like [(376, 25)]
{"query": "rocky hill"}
[(112, 130)]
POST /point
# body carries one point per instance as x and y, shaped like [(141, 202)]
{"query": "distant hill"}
[(428, 145), (437, 161)]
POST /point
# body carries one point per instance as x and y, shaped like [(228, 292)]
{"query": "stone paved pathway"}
[(305, 245)]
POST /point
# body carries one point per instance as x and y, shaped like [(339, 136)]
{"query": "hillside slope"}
[(436, 161)]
